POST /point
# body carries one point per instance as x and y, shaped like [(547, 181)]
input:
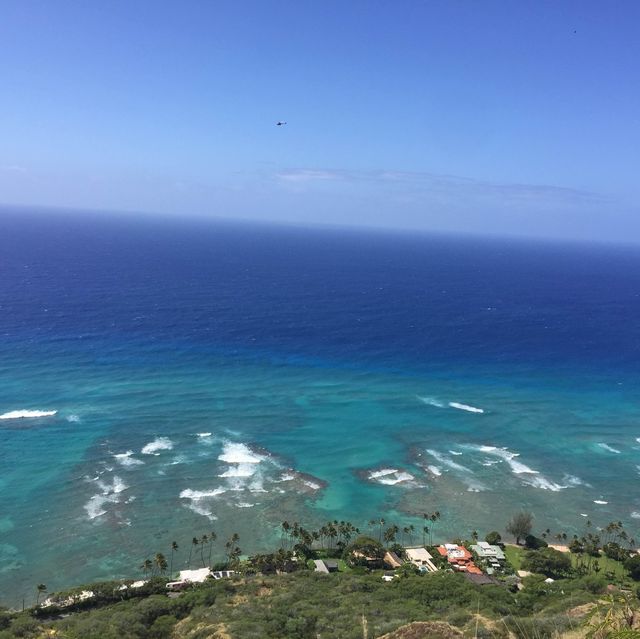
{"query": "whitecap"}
[(238, 453), (538, 481), (160, 443), (635, 515), (583, 515), (244, 504), (203, 434), (455, 452), (376, 474), (600, 502), (517, 467), (431, 401), (311, 484), (240, 470), (199, 509), (287, 477), (469, 409), (22, 414), (638, 440), (74, 419), (445, 461), (126, 459), (608, 448), (390, 476), (95, 506), (196, 495), (434, 470), (572, 480), (179, 459)]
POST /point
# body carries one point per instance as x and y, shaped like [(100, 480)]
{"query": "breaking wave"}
[(431, 401), (469, 409), (449, 463), (600, 502), (160, 443), (238, 453), (608, 448), (22, 414), (109, 494), (389, 476), (127, 460)]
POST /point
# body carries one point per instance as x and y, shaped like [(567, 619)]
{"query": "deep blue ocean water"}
[(217, 376)]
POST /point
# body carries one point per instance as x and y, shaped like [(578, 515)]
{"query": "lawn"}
[(514, 556)]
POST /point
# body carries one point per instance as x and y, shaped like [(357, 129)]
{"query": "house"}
[(459, 558), (188, 577), (420, 558), (493, 555), (392, 560)]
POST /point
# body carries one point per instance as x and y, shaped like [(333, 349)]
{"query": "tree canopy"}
[(520, 525)]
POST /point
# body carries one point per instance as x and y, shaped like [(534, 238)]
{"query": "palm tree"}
[(203, 542), (40, 589), (146, 566), (160, 562), (382, 523), (194, 543), (212, 538), (174, 547), (286, 526), (233, 552), (389, 535)]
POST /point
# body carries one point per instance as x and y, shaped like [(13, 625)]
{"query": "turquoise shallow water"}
[(182, 408)]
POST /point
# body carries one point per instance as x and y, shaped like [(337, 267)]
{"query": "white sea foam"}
[(127, 460), (240, 470), (22, 414), (583, 515), (160, 443), (311, 484), (600, 502), (95, 506), (474, 486), (517, 467), (201, 510), (376, 474), (434, 470), (572, 480), (74, 419), (608, 448), (203, 434), (538, 481), (638, 440), (244, 504), (455, 452), (635, 515), (390, 476), (469, 409), (237, 453), (196, 495), (431, 401), (449, 463), (287, 476)]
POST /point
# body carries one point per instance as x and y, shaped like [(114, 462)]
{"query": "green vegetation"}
[(279, 596)]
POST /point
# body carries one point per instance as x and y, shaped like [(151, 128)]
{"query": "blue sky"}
[(488, 117)]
